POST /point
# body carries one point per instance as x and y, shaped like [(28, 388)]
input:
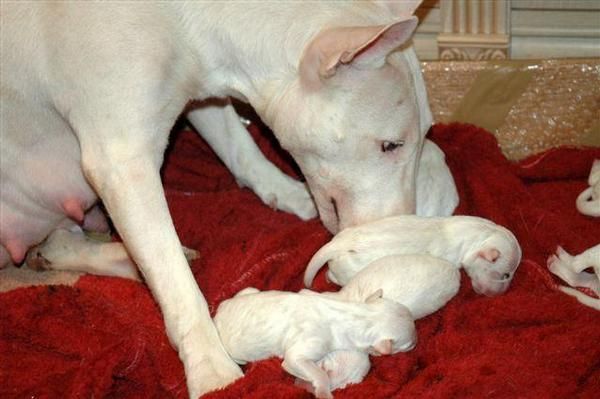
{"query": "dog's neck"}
[(254, 55), (241, 60)]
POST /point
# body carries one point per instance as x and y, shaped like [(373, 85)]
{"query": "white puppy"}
[(489, 253), (588, 202), (303, 329), (422, 283), (571, 269)]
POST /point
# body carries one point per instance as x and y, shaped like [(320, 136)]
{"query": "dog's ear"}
[(384, 347), (374, 296), (363, 46), (489, 254), (400, 8)]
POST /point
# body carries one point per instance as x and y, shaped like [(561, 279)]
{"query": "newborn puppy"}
[(489, 253), (588, 202), (422, 283), (571, 269), (304, 329), (436, 193)]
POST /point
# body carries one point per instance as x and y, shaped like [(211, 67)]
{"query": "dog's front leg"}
[(126, 176), (220, 126)]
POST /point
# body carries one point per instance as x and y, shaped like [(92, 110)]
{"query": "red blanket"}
[(105, 337)]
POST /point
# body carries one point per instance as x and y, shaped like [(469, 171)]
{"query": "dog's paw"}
[(290, 196), (298, 201), (211, 374), (559, 263)]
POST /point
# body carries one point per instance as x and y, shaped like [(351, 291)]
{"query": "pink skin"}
[(43, 188), (17, 242), (74, 209)]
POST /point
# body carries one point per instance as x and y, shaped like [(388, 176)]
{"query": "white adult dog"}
[(90, 91)]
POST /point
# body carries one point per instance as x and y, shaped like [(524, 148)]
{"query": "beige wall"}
[(516, 29)]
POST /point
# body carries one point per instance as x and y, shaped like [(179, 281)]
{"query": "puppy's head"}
[(394, 329), (492, 264), (352, 121)]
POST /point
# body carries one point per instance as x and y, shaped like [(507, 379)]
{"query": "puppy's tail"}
[(327, 252)]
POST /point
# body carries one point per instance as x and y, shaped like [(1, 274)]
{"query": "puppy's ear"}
[(489, 254), (384, 347), (363, 46), (374, 296)]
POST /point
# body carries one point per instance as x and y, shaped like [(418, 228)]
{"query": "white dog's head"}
[(354, 120)]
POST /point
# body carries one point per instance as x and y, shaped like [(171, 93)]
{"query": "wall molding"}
[(474, 30)]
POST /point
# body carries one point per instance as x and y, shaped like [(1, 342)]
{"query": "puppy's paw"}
[(323, 393), (558, 266), (563, 256), (558, 263), (307, 386)]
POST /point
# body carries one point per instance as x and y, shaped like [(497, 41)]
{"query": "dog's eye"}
[(505, 276), (387, 146)]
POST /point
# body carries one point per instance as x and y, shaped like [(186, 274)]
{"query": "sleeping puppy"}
[(422, 283), (489, 253), (304, 329), (571, 269)]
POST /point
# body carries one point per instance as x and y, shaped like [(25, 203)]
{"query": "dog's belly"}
[(41, 184)]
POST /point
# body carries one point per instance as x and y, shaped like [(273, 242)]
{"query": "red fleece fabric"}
[(105, 337)]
